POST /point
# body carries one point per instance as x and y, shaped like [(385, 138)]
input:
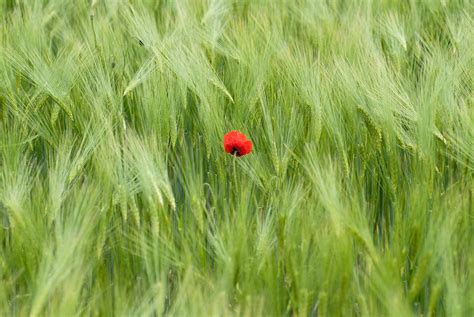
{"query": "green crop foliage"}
[(117, 198)]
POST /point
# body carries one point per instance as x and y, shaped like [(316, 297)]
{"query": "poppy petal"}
[(236, 143)]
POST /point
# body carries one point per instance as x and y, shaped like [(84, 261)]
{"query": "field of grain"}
[(117, 197)]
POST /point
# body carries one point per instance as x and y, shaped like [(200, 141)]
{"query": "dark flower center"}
[(235, 151)]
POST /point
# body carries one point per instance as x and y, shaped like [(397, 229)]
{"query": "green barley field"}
[(117, 197)]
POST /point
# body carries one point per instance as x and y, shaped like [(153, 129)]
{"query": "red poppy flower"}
[(237, 144)]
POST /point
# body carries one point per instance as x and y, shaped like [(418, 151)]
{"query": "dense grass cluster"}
[(117, 198)]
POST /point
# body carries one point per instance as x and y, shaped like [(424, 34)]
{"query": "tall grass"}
[(116, 197)]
